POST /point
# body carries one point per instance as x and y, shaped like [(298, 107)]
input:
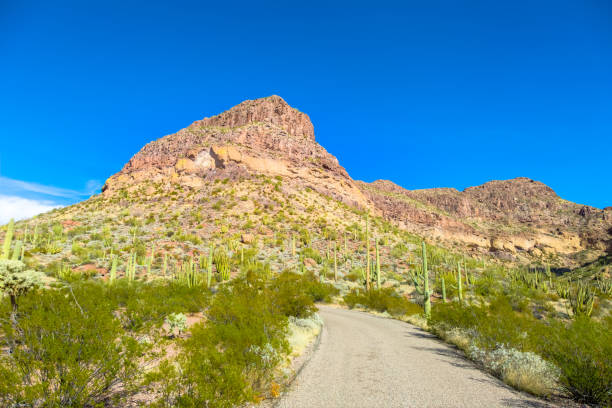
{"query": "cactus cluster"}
[(222, 263), (582, 300)]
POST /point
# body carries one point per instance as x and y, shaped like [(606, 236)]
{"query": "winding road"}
[(364, 360)]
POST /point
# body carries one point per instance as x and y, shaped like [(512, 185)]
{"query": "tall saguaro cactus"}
[(377, 267), (426, 291), (459, 289), (443, 290), (367, 283), (335, 263), (8, 238)]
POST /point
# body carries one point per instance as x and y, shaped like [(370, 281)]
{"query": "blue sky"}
[(424, 93)]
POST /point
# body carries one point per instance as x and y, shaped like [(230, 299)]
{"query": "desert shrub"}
[(355, 274), (146, 305), (229, 359), (311, 253), (66, 349), (382, 300), (583, 352), (294, 294), (176, 321), (526, 371), (496, 323)]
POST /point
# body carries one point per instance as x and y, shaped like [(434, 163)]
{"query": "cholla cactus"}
[(16, 281), (176, 321)]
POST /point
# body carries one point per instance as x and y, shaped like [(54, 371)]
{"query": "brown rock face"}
[(263, 136), (518, 216), (273, 110)]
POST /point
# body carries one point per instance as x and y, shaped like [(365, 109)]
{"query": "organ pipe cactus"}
[(8, 238), (582, 301), (222, 263), (563, 290)]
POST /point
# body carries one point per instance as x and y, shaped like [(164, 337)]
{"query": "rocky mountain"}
[(518, 219), (263, 136)]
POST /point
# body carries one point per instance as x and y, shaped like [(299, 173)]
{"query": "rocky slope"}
[(513, 219), (264, 136), (519, 219)]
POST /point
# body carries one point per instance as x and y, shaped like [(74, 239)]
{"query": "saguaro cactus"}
[(426, 291), (8, 238), (113, 271), (459, 289), (443, 290), (377, 267), (210, 265), (367, 283), (335, 263), (425, 278)]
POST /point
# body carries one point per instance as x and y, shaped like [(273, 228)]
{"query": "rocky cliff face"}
[(517, 219), (514, 219), (264, 136)]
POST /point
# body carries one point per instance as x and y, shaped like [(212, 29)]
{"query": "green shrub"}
[(294, 294), (583, 352), (382, 300), (68, 350), (145, 305), (311, 253), (230, 359)]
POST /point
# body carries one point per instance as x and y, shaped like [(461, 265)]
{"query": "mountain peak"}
[(271, 109)]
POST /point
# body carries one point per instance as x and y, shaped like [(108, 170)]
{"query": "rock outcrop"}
[(518, 217), (263, 136)]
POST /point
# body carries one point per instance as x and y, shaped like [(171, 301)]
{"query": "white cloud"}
[(20, 208), (18, 185)]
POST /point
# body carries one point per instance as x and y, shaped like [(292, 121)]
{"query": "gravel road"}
[(364, 360)]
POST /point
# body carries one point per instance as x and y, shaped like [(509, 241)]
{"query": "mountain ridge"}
[(516, 219)]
